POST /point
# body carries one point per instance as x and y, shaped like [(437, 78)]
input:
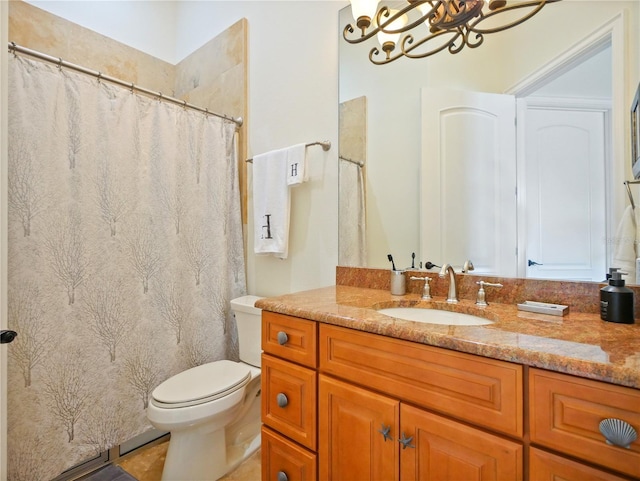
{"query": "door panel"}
[(468, 180), (565, 194)]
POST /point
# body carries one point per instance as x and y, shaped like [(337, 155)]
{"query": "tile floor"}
[(147, 462)]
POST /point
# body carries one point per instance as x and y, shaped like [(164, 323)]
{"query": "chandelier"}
[(431, 26)]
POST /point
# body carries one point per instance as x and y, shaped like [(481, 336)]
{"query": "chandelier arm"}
[(349, 30), (375, 52), (384, 11), (412, 6), (479, 38), (538, 4), (449, 44)]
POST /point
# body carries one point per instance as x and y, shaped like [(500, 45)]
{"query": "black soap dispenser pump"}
[(616, 301)]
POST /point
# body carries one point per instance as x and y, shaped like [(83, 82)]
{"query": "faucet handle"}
[(426, 290), (481, 299), (468, 266)]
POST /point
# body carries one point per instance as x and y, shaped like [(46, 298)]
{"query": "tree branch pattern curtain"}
[(125, 248)]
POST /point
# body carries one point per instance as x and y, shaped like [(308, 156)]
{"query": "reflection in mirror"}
[(520, 62), (352, 156)]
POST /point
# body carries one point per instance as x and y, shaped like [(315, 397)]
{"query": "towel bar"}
[(326, 145)]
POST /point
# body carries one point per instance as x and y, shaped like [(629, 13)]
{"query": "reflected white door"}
[(565, 194), (468, 180)]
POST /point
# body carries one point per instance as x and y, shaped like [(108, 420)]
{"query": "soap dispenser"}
[(616, 301)]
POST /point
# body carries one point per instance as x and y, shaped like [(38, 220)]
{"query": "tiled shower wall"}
[(213, 77)]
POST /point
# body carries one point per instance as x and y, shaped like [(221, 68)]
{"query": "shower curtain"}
[(125, 247), (352, 216)]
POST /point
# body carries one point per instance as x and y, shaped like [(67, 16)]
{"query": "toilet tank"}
[(249, 322)]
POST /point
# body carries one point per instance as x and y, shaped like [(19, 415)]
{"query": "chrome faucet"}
[(426, 291), (452, 298)]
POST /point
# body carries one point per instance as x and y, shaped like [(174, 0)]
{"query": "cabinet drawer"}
[(289, 394), (279, 455), (289, 337), (545, 466), (483, 391), (566, 411)]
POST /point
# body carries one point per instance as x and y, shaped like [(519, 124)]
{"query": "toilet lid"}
[(201, 384)]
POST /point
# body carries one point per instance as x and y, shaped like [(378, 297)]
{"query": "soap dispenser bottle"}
[(616, 301)]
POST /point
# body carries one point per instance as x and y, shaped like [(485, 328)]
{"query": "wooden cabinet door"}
[(352, 445), (447, 450)]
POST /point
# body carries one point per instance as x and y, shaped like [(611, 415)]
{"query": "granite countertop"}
[(579, 343)]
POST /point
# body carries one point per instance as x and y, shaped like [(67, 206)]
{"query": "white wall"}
[(293, 98), (149, 26)]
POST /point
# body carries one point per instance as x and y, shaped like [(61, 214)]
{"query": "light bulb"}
[(389, 40)]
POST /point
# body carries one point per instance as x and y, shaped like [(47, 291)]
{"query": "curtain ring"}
[(12, 49), (184, 105), (206, 112), (132, 87), (59, 63), (159, 96), (99, 76)]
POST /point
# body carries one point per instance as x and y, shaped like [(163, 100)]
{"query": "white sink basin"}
[(434, 316)]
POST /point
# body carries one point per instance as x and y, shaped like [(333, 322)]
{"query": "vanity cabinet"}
[(364, 406), (374, 425), (289, 398), (565, 413)]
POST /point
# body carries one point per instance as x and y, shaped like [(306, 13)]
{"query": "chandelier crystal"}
[(434, 25)]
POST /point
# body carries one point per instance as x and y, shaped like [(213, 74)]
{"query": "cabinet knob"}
[(618, 432), (282, 400), (406, 442), (385, 432), (282, 338), (282, 476)]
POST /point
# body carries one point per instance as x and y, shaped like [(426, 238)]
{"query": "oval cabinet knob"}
[(282, 338), (618, 432), (282, 476), (282, 399)]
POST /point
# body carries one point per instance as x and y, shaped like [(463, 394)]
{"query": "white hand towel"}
[(271, 204), (297, 164), (624, 248)]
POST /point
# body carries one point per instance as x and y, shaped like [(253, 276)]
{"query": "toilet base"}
[(205, 456), (209, 451)]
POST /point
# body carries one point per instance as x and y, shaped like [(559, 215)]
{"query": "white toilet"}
[(213, 410)]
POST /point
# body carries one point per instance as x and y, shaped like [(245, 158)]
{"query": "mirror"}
[(502, 64)]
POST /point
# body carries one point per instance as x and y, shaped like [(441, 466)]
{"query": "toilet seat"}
[(201, 384)]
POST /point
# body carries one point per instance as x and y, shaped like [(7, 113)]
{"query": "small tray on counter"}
[(544, 308)]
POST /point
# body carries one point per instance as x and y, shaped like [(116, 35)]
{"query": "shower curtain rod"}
[(13, 48), (359, 163)]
